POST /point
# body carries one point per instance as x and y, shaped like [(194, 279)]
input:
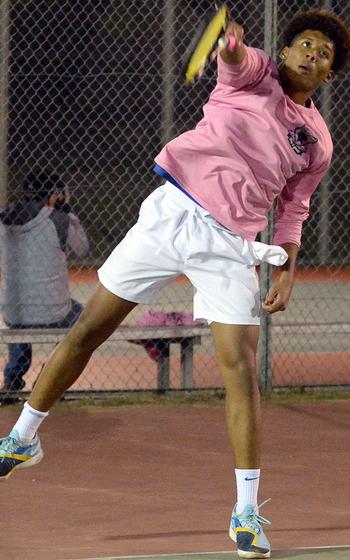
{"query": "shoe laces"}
[(9, 444), (253, 520)]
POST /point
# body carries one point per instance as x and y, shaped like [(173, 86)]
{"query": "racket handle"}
[(231, 42), (227, 42)]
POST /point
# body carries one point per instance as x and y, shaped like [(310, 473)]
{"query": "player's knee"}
[(238, 362), (239, 375), (240, 380)]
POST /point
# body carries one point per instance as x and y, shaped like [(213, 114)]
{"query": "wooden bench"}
[(186, 337)]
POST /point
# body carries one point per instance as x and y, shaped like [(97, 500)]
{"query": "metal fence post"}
[(265, 368), (168, 63), (4, 54), (325, 186)]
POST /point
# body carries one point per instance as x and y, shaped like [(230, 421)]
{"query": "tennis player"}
[(261, 139)]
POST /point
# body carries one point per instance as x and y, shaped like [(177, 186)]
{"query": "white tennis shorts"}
[(173, 236)]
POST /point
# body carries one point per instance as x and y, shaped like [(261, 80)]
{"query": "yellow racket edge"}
[(206, 43)]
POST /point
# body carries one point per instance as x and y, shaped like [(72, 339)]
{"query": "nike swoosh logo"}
[(248, 478)]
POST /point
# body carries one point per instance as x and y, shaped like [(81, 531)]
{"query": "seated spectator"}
[(35, 234)]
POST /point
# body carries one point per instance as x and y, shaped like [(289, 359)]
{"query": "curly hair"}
[(329, 24)]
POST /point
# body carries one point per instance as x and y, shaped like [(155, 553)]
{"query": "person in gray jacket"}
[(35, 236)]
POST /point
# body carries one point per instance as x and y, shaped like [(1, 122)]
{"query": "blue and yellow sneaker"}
[(246, 531), (18, 454)]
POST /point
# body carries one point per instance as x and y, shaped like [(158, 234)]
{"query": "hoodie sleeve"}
[(293, 205), (250, 71)]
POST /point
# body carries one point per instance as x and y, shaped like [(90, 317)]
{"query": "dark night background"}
[(85, 99)]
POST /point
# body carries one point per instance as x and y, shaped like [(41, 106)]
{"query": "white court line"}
[(210, 553), (319, 547)]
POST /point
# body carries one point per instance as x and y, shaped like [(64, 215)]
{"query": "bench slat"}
[(122, 333), (126, 332)]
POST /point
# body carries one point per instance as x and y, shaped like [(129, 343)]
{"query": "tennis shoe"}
[(246, 531), (18, 454)]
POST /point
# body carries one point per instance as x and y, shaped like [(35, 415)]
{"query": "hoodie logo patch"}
[(299, 138)]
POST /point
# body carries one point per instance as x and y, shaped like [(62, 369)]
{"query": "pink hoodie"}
[(253, 145)]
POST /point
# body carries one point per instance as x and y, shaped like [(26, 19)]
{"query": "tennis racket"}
[(206, 43)]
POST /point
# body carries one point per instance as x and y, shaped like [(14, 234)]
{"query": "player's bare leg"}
[(102, 315), (236, 347)]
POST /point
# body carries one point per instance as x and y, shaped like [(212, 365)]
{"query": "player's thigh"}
[(235, 345), (101, 316)]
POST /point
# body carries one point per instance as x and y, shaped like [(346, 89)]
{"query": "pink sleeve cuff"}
[(287, 233)]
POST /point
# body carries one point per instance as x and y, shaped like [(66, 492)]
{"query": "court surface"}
[(340, 553), (148, 480)]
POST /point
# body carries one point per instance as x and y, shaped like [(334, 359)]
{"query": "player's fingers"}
[(277, 305), (272, 308), (271, 296)]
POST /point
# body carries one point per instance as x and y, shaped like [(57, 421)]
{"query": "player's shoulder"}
[(321, 125), (264, 64), (319, 138), (259, 54)]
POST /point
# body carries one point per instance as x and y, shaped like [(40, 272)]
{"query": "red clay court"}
[(157, 479)]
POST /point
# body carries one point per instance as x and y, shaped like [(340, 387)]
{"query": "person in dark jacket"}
[(36, 233)]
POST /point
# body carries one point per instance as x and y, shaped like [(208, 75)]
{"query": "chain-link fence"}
[(91, 90)]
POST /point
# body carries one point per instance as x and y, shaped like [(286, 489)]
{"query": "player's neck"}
[(299, 97)]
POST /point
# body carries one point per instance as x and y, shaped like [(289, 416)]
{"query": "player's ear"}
[(327, 79), (284, 53)]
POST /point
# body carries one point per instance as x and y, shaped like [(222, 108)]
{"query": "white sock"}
[(247, 488), (29, 421)]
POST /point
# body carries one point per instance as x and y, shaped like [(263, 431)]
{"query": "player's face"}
[(308, 61)]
